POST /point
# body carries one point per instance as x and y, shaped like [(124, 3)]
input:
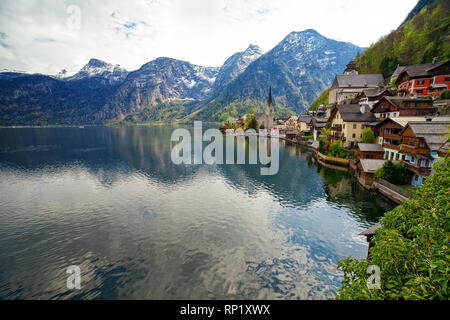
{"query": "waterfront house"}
[(370, 151), (422, 144), (303, 123), (348, 86), (388, 132), (365, 170), (390, 107), (317, 124), (349, 121), (424, 80), (291, 123)]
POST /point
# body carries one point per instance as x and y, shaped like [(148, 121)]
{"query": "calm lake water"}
[(110, 201)]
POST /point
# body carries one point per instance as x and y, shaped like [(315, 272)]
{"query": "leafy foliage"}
[(445, 95), (337, 150), (420, 38), (323, 99), (412, 248), (392, 172), (368, 136)]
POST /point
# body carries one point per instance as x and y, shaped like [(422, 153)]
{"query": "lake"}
[(110, 201)]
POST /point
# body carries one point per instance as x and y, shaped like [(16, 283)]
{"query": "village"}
[(389, 134)]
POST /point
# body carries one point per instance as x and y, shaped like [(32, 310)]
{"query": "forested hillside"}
[(423, 36)]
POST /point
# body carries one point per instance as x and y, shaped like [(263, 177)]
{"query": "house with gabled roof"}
[(348, 121), (392, 107), (423, 80), (422, 144), (347, 87)]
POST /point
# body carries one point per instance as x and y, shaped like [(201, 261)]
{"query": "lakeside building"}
[(291, 124), (349, 121), (317, 124), (370, 151), (392, 107), (424, 80), (365, 170), (303, 124), (388, 131), (422, 144), (351, 83)]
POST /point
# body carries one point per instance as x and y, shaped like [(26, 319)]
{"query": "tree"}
[(336, 150), (411, 249), (393, 172), (326, 133), (368, 136), (252, 123)]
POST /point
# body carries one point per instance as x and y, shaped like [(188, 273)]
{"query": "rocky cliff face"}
[(159, 81)]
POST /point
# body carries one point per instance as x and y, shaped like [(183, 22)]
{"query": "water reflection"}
[(111, 201)]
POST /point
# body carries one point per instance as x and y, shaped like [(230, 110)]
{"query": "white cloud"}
[(36, 38)]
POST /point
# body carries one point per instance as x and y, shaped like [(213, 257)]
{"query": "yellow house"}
[(348, 121)]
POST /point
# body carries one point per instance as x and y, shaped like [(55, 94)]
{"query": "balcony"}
[(406, 148), (416, 169), (337, 129), (391, 146), (392, 136)]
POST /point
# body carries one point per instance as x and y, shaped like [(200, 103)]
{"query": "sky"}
[(46, 36)]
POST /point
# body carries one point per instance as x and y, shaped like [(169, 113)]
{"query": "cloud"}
[(36, 36)]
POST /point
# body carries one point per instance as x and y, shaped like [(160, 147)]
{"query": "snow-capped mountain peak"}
[(237, 64), (113, 74)]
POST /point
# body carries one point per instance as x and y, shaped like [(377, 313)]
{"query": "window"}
[(447, 79), (419, 91), (362, 126), (354, 126), (420, 82), (398, 156), (416, 178), (354, 136)]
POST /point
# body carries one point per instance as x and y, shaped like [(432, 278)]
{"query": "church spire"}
[(270, 102)]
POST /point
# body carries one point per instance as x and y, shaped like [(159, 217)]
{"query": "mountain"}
[(102, 72), (299, 68), (235, 65), (41, 100), (159, 81), (423, 36)]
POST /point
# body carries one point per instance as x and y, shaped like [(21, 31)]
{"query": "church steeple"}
[(270, 102)]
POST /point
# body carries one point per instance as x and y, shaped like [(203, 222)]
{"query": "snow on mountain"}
[(235, 65), (106, 72)]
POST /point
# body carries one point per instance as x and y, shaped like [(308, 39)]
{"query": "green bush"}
[(337, 150), (393, 172), (412, 248), (368, 136), (445, 95)]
